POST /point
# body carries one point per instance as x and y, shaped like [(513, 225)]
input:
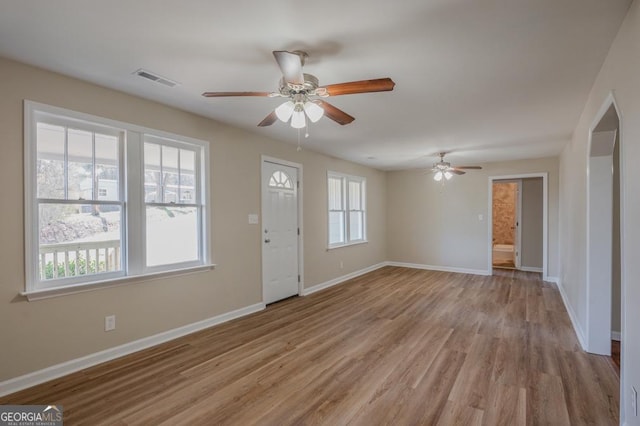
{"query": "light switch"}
[(253, 219), (480, 217)]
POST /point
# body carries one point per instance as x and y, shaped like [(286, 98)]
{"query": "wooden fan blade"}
[(334, 113), (268, 120), (456, 171), (291, 66), (222, 94), (469, 167), (362, 86)]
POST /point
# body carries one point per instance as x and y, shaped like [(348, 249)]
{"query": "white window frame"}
[(131, 187), (345, 180)]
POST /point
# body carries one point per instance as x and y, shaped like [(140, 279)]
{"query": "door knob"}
[(267, 240)]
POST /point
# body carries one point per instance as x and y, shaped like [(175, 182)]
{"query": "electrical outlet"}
[(109, 323), (634, 401)]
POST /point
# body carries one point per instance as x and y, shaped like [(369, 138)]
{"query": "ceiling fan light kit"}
[(303, 92), (439, 174)]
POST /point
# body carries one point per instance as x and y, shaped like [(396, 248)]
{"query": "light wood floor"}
[(396, 346)]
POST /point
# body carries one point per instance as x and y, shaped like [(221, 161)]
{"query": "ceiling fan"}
[(444, 169), (303, 93)]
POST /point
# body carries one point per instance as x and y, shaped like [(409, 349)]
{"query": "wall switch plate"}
[(481, 217), (634, 401), (109, 323), (253, 219)]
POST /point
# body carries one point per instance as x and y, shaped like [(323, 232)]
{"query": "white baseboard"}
[(530, 269), (554, 280), (440, 268), (335, 281), (615, 335), (68, 367), (572, 315)]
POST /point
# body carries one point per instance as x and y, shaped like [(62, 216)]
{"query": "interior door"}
[(280, 234), (517, 238)]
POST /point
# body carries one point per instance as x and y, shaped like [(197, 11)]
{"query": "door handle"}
[(267, 240)]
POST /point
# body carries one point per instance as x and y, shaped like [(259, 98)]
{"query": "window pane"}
[(78, 239), (356, 229), (354, 196), (187, 176), (280, 179), (50, 165), (152, 189), (335, 193), (172, 235), (170, 174), (107, 173), (336, 227), (80, 166)]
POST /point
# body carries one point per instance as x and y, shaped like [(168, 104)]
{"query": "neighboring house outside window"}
[(346, 209), (93, 217)]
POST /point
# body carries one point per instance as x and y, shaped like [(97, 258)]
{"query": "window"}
[(347, 211), (280, 179), (94, 217), (172, 214)]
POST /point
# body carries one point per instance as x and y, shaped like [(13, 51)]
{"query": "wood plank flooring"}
[(396, 346)]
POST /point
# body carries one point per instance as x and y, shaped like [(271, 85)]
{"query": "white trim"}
[(340, 245), (615, 335), (545, 218), (339, 280), (531, 269), (31, 379), (554, 280), (440, 268), (300, 189), (572, 316), (47, 293)]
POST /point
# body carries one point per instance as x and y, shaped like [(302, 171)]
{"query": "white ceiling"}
[(486, 79)]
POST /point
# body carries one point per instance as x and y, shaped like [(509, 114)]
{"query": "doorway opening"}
[(604, 224), (518, 223), (505, 239)]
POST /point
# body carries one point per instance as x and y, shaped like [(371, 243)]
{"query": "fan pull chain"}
[(299, 147)]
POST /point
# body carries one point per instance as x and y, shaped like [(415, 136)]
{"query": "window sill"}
[(47, 293), (353, 243)]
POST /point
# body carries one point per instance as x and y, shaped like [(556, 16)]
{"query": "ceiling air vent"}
[(155, 78)]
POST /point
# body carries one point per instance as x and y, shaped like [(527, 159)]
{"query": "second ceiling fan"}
[(445, 169), (303, 93)]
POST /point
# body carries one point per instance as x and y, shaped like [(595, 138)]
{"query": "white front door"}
[(279, 231)]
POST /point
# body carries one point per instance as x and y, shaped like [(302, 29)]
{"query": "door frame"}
[(298, 166), (545, 218)]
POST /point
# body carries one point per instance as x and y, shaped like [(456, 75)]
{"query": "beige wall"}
[(532, 223), (433, 224), (620, 74), (39, 334)]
